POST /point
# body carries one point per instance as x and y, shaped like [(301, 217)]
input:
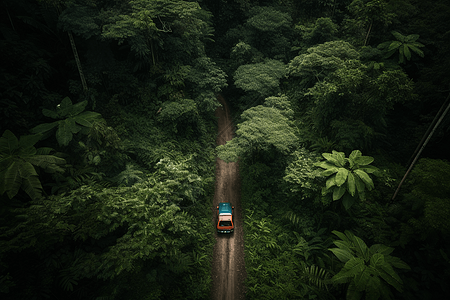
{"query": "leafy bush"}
[(346, 182), (17, 161), (72, 120), (369, 271)]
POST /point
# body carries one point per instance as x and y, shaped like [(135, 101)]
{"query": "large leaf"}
[(360, 186), (363, 160), (351, 185), (399, 36), (361, 248), (385, 270), (340, 156), (332, 159), (64, 133), (326, 165), (329, 172), (406, 52), (20, 174), (8, 143), (352, 268), (342, 236), (12, 180), (380, 248), (2, 182), (394, 45), (49, 163), (78, 108), (401, 55), (42, 128), (87, 118), (50, 113), (338, 192), (341, 254), (341, 176), (26, 151), (390, 276), (373, 286), (377, 260), (32, 186), (343, 245), (64, 109), (411, 38), (396, 262), (361, 280), (369, 169), (330, 182), (365, 178), (26, 141), (355, 154), (416, 50)]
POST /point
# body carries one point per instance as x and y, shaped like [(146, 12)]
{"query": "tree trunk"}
[(368, 33), (421, 149), (77, 59)]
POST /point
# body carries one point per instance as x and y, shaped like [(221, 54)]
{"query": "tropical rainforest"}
[(107, 147)]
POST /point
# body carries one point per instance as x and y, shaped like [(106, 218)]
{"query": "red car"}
[(225, 222)]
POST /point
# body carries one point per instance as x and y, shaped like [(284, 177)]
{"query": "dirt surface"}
[(228, 268)]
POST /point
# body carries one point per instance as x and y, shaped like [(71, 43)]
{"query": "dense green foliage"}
[(122, 209), (369, 271), (359, 75), (107, 146)]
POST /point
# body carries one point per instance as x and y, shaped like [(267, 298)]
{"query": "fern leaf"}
[(316, 276), (32, 186)]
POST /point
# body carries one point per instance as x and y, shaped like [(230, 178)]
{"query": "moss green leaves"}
[(367, 271), (349, 175), (72, 120), (17, 160), (264, 129), (262, 78), (323, 30), (320, 61)]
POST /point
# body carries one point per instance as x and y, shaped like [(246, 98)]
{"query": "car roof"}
[(225, 208)]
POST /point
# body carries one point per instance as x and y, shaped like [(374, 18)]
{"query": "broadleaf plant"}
[(348, 178), (404, 45), (71, 120), (17, 160), (366, 270)]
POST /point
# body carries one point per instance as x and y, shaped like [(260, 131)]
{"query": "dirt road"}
[(228, 269)]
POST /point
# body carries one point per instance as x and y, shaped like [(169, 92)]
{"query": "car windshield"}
[(225, 223)]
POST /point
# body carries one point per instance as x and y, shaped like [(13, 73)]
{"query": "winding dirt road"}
[(228, 268)]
